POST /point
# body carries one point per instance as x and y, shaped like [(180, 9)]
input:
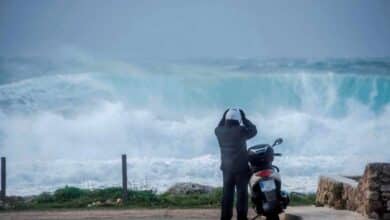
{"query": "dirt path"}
[(293, 213)]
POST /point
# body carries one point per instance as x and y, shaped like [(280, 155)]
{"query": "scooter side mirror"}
[(278, 141)]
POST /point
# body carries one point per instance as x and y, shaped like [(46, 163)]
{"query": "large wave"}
[(70, 128)]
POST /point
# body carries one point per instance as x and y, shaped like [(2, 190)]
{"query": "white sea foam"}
[(71, 129)]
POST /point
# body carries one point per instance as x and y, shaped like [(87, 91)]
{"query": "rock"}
[(337, 192), (372, 195), (339, 204), (385, 180), (372, 170), (388, 205), (109, 202), (386, 170), (386, 195), (385, 188), (374, 206), (373, 185), (386, 216), (96, 204), (373, 215), (189, 188)]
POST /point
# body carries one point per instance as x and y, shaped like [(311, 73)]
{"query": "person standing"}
[(232, 132)]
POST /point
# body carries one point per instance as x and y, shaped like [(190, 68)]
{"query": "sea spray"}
[(70, 128)]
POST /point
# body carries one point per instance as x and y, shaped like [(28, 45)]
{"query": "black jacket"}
[(232, 142)]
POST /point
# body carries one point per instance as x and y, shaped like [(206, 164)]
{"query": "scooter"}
[(265, 182)]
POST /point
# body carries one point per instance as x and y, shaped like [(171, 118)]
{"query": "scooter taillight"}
[(264, 173)]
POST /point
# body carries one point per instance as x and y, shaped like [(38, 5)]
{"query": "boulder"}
[(385, 188), (386, 170), (336, 191), (189, 188), (369, 196), (372, 195), (386, 216), (388, 205), (386, 196), (385, 180), (374, 205), (372, 171)]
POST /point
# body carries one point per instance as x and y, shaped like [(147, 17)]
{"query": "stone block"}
[(189, 188), (385, 180), (373, 185), (374, 206), (385, 188), (372, 170), (386, 216), (386, 169), (339, 204), (388, 205), (386, 195), (373, 215), (372, 195)]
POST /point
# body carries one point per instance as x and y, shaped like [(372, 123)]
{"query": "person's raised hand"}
[(242, 114), (224, 114)]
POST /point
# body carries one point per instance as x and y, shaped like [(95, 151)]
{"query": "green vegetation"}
[(72, 197), (297, 199)]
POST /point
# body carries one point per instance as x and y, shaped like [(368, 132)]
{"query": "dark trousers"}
[(232, 181)]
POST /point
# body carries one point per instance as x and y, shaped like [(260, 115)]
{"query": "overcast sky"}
[(187, 29)]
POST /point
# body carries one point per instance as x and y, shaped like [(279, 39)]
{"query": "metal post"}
[(124, 177), (3, 179)]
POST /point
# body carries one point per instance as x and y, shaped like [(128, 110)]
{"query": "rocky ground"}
[(292, 213)]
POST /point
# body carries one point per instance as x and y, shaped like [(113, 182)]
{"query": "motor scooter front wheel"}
[(274, 216)]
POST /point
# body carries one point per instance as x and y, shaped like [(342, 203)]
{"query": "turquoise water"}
[(79, 117)]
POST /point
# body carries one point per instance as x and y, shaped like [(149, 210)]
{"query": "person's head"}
[(233, 117)]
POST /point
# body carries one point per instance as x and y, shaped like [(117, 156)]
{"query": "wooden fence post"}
[(124, 178), (3, 179)]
